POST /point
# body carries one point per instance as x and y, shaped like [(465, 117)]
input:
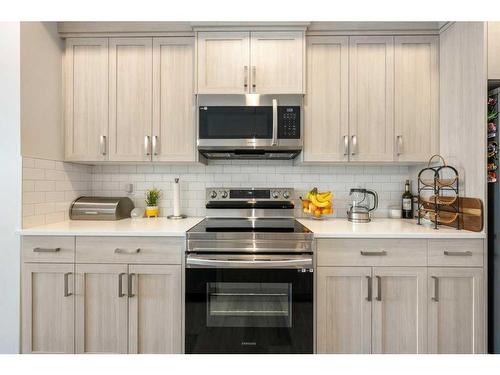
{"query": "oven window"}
[(249, 304), (235, 122)]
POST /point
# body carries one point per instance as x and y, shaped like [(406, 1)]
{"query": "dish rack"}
[(443, 205)]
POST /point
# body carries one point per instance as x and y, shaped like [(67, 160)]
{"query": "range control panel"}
[(250, 194), (289, 122)]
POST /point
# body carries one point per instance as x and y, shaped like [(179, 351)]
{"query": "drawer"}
[(463, 253), (140, 250), (50, 249), (372, 252)]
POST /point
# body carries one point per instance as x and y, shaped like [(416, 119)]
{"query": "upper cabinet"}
[(494, 50), (130, 99), (146, 114), (379, 104), (86, 98), (371, 99), (416, 106), (326, 105), (174, 136), (231, 62)]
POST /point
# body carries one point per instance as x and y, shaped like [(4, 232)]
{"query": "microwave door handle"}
[(274, 141)]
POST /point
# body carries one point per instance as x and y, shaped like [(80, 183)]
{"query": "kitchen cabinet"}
[(371, 98), (416, 107), (130, 99), (456, 310), (155, 309), (174, 133), (234, 62), (47, 308), (223, 62), (399, 319), (326, 104), (101, 308), (344, 310), (494, 50), (86, 99)]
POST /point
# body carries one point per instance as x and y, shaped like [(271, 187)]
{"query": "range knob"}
[(213, 194), (275, 195), (223, 194), (286, 194)]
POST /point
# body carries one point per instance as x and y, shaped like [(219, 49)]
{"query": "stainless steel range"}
[(249, 280)]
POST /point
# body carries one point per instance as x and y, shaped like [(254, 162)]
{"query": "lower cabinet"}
[(47, 313), (456, 310), (371, 310)]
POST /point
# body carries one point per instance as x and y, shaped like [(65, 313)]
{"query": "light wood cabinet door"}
[(277, 59), (494, 50), (130, 99), (86, 99), (101, 308), (326, 106), (223, 62), (155, 309), (344, 310), (456, 310), (416, 96), (47, 308), (371, 92), (174, 134), (399, 323)]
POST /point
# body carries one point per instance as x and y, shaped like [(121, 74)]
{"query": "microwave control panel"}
[(289, 122)]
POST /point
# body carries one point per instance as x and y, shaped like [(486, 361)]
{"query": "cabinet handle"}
[(46, 250), (125, 251), (399, 145), (354, 143), (373, 253), (147, 145), (155, 145), (346, 145), (120, 285), (254, 78), (129, 285), (66, 277), (379, 288), (245, 81), (370, 292), (102, 145), (457, 253), (436, 289)]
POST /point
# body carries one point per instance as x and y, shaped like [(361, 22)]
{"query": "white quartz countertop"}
[(382, 228), (155, 227)]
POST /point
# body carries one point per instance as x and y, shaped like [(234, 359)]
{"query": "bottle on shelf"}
[(407, 202)]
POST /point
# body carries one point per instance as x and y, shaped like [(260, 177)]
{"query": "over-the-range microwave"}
[(255, 127)]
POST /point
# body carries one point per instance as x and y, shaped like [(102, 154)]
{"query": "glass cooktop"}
[(278, 225)]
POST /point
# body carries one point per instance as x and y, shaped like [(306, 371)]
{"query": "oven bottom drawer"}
[(249, 311)]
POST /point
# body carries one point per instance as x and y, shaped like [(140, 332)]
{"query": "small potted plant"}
[(152, 198)]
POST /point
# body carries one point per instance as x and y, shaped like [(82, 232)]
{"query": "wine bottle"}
[(407, 202)]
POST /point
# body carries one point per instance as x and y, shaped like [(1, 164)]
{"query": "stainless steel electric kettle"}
[(359, 210)]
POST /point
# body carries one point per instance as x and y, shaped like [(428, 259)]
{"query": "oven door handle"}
[(199, 262)]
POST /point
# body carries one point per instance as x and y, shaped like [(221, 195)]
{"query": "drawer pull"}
[(458, 253), (125, 251), (373, 253), (46, 250)]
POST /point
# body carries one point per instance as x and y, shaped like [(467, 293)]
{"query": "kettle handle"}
[(375, 199)]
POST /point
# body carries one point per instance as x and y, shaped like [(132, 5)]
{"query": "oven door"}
[(249, 304)]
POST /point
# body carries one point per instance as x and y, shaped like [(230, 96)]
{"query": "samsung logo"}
[(247, 343)]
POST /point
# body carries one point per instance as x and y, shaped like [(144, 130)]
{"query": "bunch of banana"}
[(318, 203)]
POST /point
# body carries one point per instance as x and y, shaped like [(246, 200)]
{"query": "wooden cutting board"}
[(471, 215)]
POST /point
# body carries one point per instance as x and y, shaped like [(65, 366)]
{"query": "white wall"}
[(41, 91), (10, 192)]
